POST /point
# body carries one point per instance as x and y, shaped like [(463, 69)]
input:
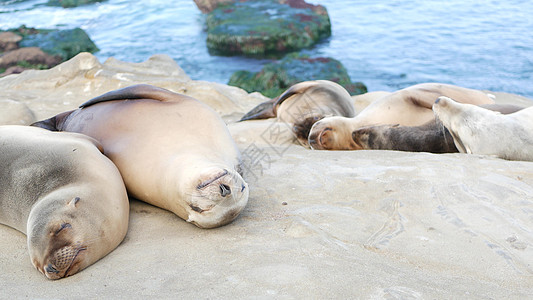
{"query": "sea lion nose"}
[(50, 269), (225, 190), (437, 101)]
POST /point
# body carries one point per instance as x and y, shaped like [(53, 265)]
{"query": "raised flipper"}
[(138, 91), (264, 110), (268, 108)]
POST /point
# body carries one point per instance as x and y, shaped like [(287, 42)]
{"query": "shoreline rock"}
[(265, 28)]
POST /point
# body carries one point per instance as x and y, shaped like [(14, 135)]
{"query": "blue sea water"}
[(385, 44)]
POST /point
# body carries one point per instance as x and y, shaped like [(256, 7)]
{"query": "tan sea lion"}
[(173, 151), (476, 130), (305, 103), (64, 194), (430, 137), (409, 107)]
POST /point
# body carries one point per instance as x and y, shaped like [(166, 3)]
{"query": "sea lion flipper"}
[(268, 108), (54, 123), (49, 124), (138, 91), (264, 110)]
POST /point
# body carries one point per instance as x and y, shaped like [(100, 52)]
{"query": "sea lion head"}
[(216, 195), (451, 115), (68, 233), (332, 133)]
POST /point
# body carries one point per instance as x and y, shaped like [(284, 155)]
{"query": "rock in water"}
[(265, 27)]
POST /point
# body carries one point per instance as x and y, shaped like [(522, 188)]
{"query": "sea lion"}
[(305, 103), (476, 130), (64, 194), (172, 150), (429, 137), (410, 107)]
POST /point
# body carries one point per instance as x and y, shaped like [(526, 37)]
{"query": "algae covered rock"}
[(63, 43), (276, 77), (70, 3), (265, 27)]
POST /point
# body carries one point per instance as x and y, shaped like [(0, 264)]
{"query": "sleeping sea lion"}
[(409, 107), (305, 103), (476, 130), (64, 194), (430, 137), (173, 151)]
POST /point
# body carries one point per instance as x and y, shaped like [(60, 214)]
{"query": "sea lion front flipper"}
[(138, 91)]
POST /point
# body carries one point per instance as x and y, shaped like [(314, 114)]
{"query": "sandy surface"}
[(319, 224)]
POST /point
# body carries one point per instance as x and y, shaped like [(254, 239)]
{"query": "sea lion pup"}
[(172, 150), (430, 137), (64, 194), (305, 103), (409, 107), (476, 130)]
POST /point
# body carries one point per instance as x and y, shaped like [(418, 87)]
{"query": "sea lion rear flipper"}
[(264, 110), (268, 108), (54, 123), (49, 124), (138, 91)]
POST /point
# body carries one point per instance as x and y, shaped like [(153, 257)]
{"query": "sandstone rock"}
[(15, 113), (9, 41), (265, 27), (276, 77), (58, 89), (28, 56)]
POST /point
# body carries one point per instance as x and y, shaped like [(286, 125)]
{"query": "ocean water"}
[(385, 44)]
